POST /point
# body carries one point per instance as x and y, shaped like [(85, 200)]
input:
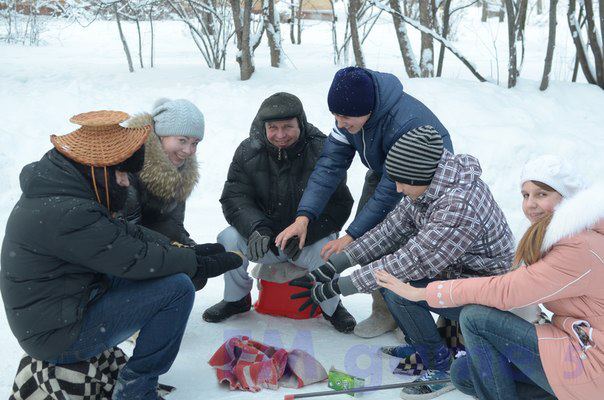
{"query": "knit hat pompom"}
[(555, 172), (352, 93), (415, 156), (177, 117)]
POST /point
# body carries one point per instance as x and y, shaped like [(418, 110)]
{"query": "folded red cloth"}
[(250, 365)]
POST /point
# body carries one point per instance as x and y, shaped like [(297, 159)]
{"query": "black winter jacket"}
[(265, 184), (59, 247)]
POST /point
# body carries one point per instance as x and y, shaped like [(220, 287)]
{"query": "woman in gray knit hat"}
[(158, 193)]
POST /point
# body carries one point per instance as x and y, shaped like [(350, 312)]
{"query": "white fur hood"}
[(575, 214)]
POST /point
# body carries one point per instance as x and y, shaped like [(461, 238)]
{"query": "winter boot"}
[(410, 362), (341, 319), (428, 391), (379, 322), (226, 309)]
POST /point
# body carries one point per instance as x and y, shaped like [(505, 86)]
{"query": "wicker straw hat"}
[(101, 141)]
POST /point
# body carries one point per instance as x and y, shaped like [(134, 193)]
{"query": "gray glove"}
[(259, 243), (336, 264)]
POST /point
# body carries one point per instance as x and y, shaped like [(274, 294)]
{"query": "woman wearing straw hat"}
[(158, 193), (68, 265)]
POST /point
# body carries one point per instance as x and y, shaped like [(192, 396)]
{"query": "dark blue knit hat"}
[(351, 93)]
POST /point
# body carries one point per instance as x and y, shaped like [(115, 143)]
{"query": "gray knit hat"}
[(414, 157), (177, 118)]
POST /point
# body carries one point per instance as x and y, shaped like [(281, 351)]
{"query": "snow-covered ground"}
[(84, 69)]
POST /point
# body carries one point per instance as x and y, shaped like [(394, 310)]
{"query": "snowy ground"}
[(83, 69)]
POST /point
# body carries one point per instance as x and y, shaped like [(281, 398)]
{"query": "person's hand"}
[(298, 228), (387, 281), (215, 265), (335, 246), (207, 249), (316, 294), (259, 243), (292, 249)]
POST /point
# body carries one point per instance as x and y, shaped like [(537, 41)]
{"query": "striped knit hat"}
[(414, 157)]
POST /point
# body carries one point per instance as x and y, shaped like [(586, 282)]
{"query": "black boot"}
[(341, 319), (226, 309)]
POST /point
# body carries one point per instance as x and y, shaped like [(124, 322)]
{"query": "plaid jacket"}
[(454, 229)]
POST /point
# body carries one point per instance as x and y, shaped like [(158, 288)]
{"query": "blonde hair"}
[(529, 247)]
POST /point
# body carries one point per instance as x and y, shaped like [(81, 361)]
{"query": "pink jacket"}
[(569, 281)]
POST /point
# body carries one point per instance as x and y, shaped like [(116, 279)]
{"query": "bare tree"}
[(516, 14), (273, 31), (353, 11), (292, 21), (446, 28), (122, 37), (210, 26), (417, 25), (411, 65), (595, 42), (551, 43), (243, 34), (426, 19), (591, 66)]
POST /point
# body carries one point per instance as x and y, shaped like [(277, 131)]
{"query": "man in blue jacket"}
[(372, 112)]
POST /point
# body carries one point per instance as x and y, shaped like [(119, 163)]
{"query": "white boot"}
[(379, 322)]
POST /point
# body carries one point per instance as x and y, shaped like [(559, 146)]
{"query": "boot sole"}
[(215, 320)]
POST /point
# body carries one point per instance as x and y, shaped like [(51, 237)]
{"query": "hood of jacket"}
[(54, 175), (281, 106), (388, 93), (584, 210), (159, 175), (453, 171)]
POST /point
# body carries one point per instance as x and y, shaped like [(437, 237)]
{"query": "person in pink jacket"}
[(562, 266)]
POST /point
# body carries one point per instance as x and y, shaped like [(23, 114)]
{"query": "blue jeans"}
[(502, 360), (159, 308), (417, 324)]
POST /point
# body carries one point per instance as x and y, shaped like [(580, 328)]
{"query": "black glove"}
[(214, 265), (259, 243), (336, 264), (292, 248), (317, 293), (208, 249)]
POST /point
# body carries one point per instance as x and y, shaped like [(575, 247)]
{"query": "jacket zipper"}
[(364, 148)]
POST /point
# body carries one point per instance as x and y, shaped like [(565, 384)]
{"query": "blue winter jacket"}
[(395, 113)]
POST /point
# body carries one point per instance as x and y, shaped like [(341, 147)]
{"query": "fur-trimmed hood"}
[(159, 176), (584, 210)]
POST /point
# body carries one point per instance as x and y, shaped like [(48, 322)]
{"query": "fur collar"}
[(574, 215), (159, 176)]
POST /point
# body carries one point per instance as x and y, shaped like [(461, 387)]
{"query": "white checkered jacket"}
[(454, 229)]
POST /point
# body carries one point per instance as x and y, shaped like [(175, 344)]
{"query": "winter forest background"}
[(510, 79)]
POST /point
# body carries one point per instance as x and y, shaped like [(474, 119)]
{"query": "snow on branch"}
[(435, 35)]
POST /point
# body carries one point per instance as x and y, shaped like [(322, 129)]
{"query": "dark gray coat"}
[(60, 245)]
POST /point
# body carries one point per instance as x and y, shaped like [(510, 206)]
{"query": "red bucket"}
[(274, 299)]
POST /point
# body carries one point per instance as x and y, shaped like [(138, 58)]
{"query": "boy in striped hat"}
[(447, 225)]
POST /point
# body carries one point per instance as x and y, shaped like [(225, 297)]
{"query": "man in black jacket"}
[(265, 182), (76, 281)]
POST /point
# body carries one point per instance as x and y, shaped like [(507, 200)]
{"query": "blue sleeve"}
[(329, 171), (384, 199)]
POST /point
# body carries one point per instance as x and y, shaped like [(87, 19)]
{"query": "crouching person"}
[(158, 193), (265, 182), (448, 225), (76, 281)]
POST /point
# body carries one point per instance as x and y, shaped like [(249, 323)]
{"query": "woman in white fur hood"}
[(158, 194)]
